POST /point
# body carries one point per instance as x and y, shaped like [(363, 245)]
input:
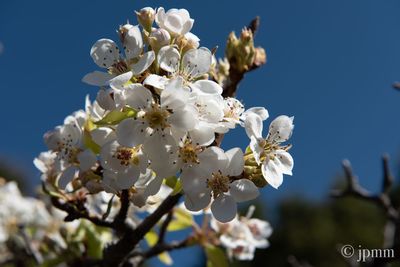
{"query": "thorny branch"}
[(383, 201)]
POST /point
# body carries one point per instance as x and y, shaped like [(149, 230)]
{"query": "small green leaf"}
[(215, 257), (165, 258), (151, 238), (116, 116), (89, 143), (177, 188)]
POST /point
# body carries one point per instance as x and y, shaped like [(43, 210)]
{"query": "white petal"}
[(102, 135), (104, 53), (253, 125), (196, 202), (86, 159), (206, 87), (160, 150), (133, 42), (243, 190), (184, 119), (194, 180), (105, 100), (213, 159), (168, 59), (224, 208), (260, 111), (281, 129), (119, 81), (156, 81), (285, 160), (144, 63), (174, 95), (67, 176), (137, 96), (127, 179), (160, 16), (272, 173), (129, 133), (236, 161), (97, 78), (202, 135), (256, 148), (197, 62), (187, 26)]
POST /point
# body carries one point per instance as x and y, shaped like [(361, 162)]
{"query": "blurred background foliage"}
[(310, 231)]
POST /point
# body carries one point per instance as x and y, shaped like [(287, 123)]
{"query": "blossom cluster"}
[(157, 115), (243, 235)]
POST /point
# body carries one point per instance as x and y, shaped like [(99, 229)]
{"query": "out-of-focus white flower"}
[(176, 21), (274, 158), (17, 210), (66, 141), (242, 236)]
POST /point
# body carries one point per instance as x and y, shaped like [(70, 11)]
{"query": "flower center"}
[(119, 68), (127, 156), (157, 118), (218, 183), (188, 153)]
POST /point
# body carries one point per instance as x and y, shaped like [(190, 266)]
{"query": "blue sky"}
[(330, 64)]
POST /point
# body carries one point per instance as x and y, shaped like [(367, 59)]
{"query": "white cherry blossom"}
[(106, 54), (274, 159), (212, 180)]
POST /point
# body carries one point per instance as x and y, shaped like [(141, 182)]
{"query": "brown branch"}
[(116, 253), (74, 213), (383, 201), (164, 226)]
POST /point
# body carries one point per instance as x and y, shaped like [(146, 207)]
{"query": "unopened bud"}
[(159, 38), (188, 41), (146, 17), (260, 57)]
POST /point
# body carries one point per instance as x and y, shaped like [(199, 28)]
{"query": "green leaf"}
[(177, 188), (151, 238), (93, 239), (89, 143), (182, 220), (165, 258), (116, 116), (215, 257)]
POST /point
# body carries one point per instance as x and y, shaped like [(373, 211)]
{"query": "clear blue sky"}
[(330, 64)]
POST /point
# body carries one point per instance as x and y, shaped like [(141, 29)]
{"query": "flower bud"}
[(260, 57), (241, 51), (188, 41), (146, 17), (159, 38)]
